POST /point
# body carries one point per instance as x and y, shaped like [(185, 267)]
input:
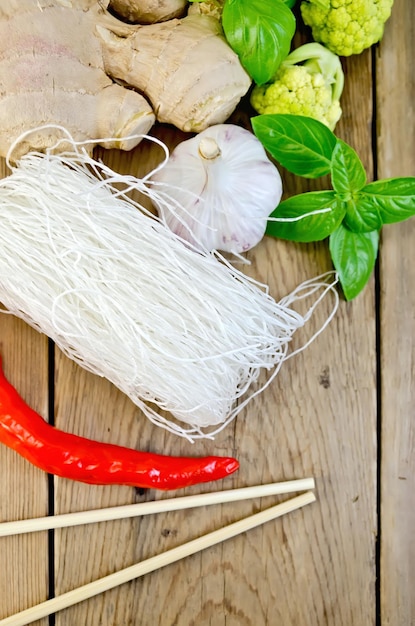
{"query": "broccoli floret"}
[(308, 82), (346, 26)]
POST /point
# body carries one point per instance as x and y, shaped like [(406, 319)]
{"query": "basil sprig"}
[(260, 32), (351, 214), (297, 142)]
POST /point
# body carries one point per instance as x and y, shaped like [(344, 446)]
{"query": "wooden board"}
[(396, 157), (320, 417)]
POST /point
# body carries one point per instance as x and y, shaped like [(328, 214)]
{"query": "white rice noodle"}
[(176, 330)]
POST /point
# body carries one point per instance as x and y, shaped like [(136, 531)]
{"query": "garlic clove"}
[(218, 189)]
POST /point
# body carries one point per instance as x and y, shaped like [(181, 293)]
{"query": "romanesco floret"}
[(212, 8), (346, 26), (309, 82)]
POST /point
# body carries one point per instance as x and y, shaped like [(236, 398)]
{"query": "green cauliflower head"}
[(346, 27), (309, 82)]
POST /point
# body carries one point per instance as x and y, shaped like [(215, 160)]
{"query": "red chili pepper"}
[(89, 461)]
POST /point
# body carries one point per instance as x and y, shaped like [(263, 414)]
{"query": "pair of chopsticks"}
[(166, 558)]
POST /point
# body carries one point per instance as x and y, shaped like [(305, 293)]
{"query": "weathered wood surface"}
[(341, 411), (396, 157)]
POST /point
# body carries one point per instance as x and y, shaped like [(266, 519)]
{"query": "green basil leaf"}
[(301, 144), (394, 198), (347, 171), (354, 257), (260, 32), (309, 227), (362, 215)]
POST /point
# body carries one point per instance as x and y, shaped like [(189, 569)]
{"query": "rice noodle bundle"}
[(128, 300)]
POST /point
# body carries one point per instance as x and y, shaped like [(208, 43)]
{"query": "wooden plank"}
[(318, 418), (396, 157), (23, 488), (315, 567)]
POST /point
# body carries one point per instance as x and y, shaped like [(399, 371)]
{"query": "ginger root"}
[(149, 11), (71, 63), (185, 66), (51, 72)]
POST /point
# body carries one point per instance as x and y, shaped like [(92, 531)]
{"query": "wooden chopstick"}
[(153, 563), (147, 508)]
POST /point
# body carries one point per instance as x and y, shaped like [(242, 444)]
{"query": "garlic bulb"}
[(217, 189)]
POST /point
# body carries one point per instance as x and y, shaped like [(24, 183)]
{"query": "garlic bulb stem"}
[(217, 189), (208, 148)]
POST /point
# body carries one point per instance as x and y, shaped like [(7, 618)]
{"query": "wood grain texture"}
[(306, 423), (314, 567), (396, 150), (23, 489)]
